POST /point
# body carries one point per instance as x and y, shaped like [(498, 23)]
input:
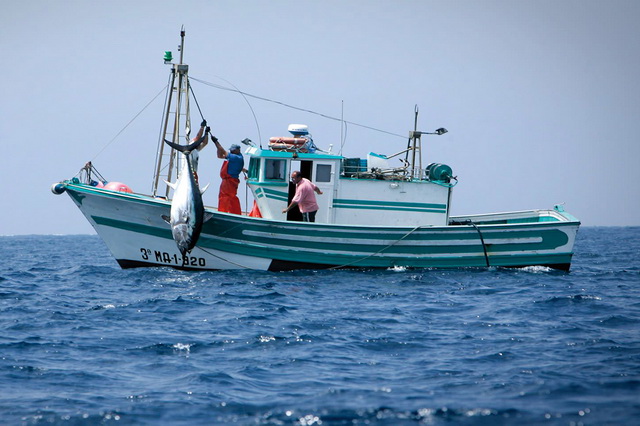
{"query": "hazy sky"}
[(541, 98)]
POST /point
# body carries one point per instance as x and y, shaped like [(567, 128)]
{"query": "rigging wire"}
[(246, 100), (216, 86), (161, 136), (344, 138), (129, 123)]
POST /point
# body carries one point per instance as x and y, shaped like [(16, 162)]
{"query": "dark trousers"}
[(309, 216)]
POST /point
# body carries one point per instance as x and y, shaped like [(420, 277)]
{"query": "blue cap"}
[(234, 146)]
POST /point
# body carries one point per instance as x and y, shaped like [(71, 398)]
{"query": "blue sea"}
[(85, 342)]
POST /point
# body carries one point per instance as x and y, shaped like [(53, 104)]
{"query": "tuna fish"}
[(187, 208)]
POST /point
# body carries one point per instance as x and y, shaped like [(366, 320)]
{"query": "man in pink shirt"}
[(305, 198)]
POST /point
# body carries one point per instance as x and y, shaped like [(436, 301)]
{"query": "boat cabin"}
[(355, 191)]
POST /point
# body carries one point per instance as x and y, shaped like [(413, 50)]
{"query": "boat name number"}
[(173, 259)]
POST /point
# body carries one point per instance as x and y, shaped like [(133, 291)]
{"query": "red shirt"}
[(305, 196)]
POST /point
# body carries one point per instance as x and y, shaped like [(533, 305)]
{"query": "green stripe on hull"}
[(550, 240), (275, 195), (304, 236), (134, 227), (339, 248), (387, 209), (533, 219), (389, 205), (76, 192), (363, 260)]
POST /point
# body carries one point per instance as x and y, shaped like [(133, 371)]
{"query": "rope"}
[(88, 169), (484, 246), (379, 251), (333, 267), (294, 107), (223, 259), (246, 196), (196, 100), (339, 266), (131, 121)]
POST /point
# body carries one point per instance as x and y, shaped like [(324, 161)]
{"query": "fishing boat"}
[(371, 214)]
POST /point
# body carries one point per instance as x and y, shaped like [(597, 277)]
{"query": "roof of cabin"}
[(267, 153)]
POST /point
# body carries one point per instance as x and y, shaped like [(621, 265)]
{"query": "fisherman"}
[(230, 173), (304, 198)]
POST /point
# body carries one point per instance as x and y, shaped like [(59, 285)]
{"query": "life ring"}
[(288, 144)]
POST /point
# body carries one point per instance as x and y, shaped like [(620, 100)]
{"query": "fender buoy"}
[(58, 188), (118, 186)]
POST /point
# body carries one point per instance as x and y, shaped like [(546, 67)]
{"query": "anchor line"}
[(484, 246), (379, 251), (333, 267)]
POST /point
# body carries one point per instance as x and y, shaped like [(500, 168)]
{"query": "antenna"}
[(181, 47), (415, 144), (341, 127)]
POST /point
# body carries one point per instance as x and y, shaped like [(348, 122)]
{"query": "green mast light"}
[(168, 57)]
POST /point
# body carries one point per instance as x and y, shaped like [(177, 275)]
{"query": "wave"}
[(571, 299)]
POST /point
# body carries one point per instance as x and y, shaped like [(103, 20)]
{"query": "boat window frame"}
[(284, 169), (317, 175), (254, 168)]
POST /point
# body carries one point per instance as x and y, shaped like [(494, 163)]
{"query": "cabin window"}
[(254, 168), (323, 173), (275, 170)]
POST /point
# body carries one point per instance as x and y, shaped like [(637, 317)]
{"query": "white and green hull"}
[(132, 227)]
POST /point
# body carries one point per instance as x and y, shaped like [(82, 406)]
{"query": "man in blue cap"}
[(230, 173)]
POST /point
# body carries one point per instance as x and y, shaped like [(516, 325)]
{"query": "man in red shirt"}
[(305, 198), (228, 200)]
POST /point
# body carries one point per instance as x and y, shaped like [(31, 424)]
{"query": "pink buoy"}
[(118, 186)]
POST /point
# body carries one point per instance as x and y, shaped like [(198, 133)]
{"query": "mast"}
[(177, 101), (416, 145)]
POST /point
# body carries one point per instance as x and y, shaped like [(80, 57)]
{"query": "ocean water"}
[(84, 342)]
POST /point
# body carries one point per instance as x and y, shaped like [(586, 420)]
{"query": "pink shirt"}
[(305, 196)]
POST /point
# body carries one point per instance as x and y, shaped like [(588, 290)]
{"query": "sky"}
[(541, 98)]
